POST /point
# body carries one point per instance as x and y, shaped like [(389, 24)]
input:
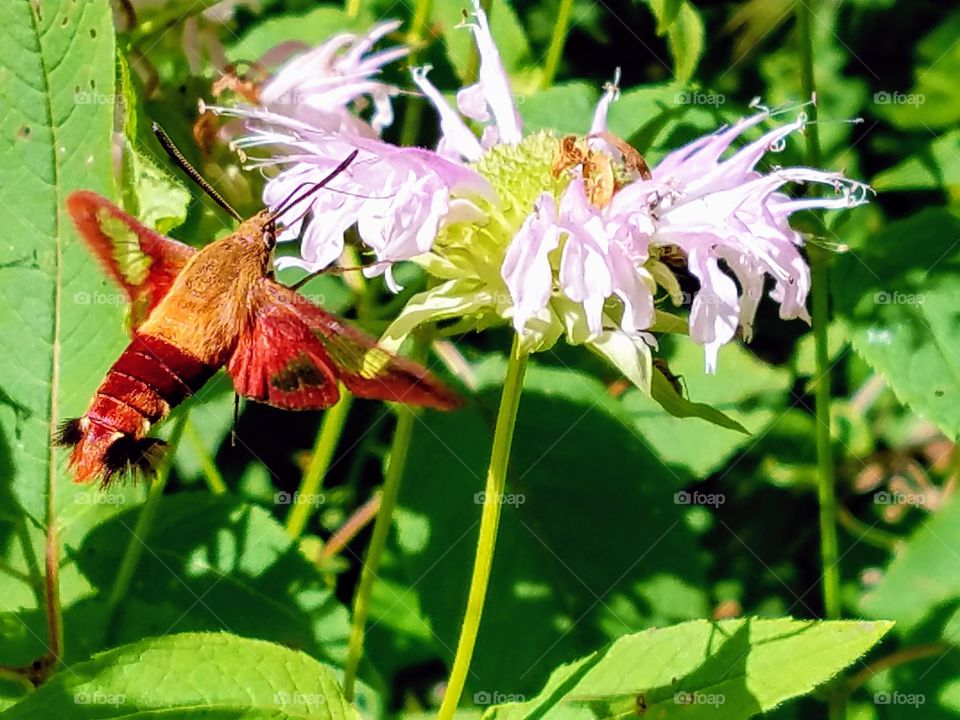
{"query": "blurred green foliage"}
[(623, 518)]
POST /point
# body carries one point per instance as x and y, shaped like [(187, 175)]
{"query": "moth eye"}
[(270, 239)]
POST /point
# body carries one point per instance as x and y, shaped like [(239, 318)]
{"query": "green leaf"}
[(680, 21), (211, 420), (153, 196), (897, 297), (565, 108), (191, 675), (562, 581), (934, 100), (938, 165), (740, 401), (60, 324), (311, 28), (733, 670), (924, 577), (458, 41), (235, 558)]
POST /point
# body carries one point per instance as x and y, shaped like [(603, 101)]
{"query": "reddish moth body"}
[(193, 312)]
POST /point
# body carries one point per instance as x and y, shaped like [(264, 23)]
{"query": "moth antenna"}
[(316, 187), (174, 152)]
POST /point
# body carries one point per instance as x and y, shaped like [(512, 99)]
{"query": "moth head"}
[(260, 230)]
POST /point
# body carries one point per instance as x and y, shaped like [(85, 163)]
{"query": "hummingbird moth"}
[(195, 311)]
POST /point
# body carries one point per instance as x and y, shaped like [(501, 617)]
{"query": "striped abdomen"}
[(149, 379)]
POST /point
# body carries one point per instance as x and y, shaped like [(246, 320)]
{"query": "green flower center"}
[(519, 175)]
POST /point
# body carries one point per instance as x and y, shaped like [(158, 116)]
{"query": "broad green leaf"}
[(933, 103), (733, 670), (938, 165), (562, 582), (897, 297), (311, 28), (60, 320), (740, 402), (458, 41), (154, 197), (210, 422), (212, 563), (191, 675), (924, 578), (680, 21), (566, 108)]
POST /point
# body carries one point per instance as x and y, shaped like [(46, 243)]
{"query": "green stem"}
[(327, 438), (131, 557), (352, 8), (207, 465), (826, 485), (555, 51), (414, 106), (381, 529), (489, 524), (826, 489)]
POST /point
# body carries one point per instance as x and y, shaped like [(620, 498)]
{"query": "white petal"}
[(715, 311), (456, 135), (496, 84), (526, 267)]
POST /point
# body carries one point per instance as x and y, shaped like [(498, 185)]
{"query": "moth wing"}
[(140, 260), (278, 361), (368, 370)]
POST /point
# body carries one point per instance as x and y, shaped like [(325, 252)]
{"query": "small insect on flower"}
[(193, 312)]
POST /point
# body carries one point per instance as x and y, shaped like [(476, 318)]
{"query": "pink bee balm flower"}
[(322, 87), (715, 205), (560, 237)]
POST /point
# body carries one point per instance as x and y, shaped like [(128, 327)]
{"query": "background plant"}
[(629, 518)]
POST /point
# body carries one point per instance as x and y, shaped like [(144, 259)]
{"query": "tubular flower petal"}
[(569, 236)]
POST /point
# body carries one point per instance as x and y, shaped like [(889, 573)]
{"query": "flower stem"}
[(555, 51), (131, 556), (414, 106), (352, 8), (331, 427), (381, 529), (826, 485), (489, 524), (207, 465), (821, 320)]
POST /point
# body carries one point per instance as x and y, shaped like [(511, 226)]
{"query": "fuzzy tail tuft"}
[(127, 455)]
